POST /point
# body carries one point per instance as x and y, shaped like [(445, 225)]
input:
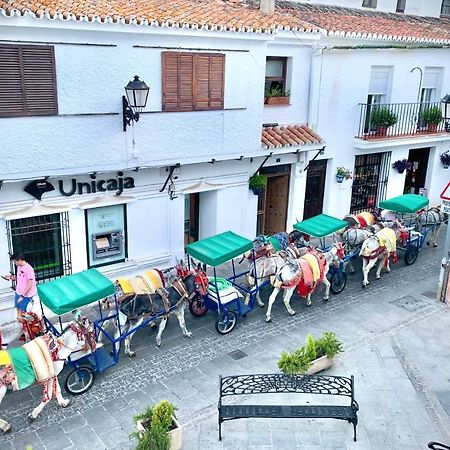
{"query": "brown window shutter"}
[(11, 93), (202, 81), (40, 80), (177, 72), (27, 81), (216, 81)]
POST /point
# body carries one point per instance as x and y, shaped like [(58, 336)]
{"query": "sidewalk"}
[(396, 339)]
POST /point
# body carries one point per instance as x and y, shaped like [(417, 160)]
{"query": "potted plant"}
[(382, 117), (432, 116), (401, 165), (343, 174), (257, 182), (276, 96), (445, 159), (315, 356), (157, 428)]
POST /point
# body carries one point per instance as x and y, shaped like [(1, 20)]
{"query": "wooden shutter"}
[(27, 81), (192, 81)]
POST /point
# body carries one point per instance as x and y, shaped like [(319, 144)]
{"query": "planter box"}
[(276, 100), (320, 364), (176, 433)]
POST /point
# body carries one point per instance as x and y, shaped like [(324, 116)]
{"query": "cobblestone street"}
[(396, 345)]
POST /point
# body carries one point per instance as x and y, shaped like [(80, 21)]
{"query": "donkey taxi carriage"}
[(228, 297), (321, 227), (419, 221)]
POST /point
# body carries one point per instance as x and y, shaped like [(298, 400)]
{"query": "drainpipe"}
[(267, 6)]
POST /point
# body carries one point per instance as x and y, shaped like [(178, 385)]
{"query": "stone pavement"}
[(396, 338)]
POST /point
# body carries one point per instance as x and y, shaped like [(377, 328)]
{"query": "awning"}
[(321, 225), (107, 200), (406, 204), (288, 136), (220, 248), (36, 209), (201, 186), (74, 291)]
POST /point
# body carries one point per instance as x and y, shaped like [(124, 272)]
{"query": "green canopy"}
[(220, 248), (407, 203), (321, 225), (73, 291)]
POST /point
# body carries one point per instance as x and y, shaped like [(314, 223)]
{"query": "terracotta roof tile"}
[(288, 136)]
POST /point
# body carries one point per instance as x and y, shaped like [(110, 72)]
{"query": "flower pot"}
[(276, 100), (320, 364), (432, 127), (256, 191), (339, 178), (175, 433), (401, 169), (381, 131), (445, 165)]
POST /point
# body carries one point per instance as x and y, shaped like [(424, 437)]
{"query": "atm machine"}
[(106, 244)]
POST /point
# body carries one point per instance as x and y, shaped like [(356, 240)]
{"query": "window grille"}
[(45, 243), (369, 181)]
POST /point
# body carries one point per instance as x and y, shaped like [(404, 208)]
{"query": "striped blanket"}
[(30, 363)]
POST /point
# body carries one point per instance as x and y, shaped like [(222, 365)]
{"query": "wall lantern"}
[(446, 102), (136, 98)]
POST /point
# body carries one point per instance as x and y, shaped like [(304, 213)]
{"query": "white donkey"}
[(46, 363), (352, 238), (434, 217), (292, 275)]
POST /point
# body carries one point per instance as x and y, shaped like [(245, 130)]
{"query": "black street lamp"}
[(446, 102), (136, 98)]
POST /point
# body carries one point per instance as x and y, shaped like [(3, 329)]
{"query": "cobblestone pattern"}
[(134, 374)]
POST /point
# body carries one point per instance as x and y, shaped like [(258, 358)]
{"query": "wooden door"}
[(315, 185), (276, 203), (415, 177)]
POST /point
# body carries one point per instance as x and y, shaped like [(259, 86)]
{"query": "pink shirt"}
[(25, 273)]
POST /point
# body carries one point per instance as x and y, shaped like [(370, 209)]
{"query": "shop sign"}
[(67, 188)]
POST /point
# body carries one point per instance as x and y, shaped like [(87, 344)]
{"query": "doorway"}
[(416, 177), (273, 200), (315, 186), (191, 217)]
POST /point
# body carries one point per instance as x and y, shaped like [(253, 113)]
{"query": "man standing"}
[(25, 284)]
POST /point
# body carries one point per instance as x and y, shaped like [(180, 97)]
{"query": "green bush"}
[(157, 421), (277, 92), (300, 360), (382, 116), (257, 181), (432, 115)]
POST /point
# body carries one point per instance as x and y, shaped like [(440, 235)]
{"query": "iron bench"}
[(288, 384)]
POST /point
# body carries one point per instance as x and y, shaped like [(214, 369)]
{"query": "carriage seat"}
[(227, 292)]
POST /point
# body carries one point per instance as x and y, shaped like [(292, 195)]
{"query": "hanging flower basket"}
[(401, 165), (343, 174), (339, 178), (445, 159)]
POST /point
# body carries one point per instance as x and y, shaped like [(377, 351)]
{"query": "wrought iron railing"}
[(409, 119)]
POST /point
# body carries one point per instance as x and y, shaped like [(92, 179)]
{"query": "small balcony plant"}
[(382, 118), (315, 356), (445, 159), (343, 174), (401, 165), (432, 116), (257, 183), (157, 428), (277, 96)]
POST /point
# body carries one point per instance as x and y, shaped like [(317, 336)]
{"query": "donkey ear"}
[(204, 267)]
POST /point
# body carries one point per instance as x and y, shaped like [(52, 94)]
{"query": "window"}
[(45, 242), (275, 74), (401, 4), (27, 81), (378, 91), (432, 77), (445, 8), (192, 81), (369, 3)]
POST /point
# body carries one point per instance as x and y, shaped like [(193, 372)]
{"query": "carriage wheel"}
[(338, 282), (226, 322), (411, 255), (80, 380), (197, 307)]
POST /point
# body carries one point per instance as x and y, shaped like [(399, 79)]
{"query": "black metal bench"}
[(289, 384)]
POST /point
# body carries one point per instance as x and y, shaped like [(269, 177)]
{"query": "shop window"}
[(27, 81), (192, 81), (45, 243), (106, 231), (276, 75), (445, 8)]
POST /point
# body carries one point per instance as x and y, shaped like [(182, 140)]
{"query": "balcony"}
[(404, 120)]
